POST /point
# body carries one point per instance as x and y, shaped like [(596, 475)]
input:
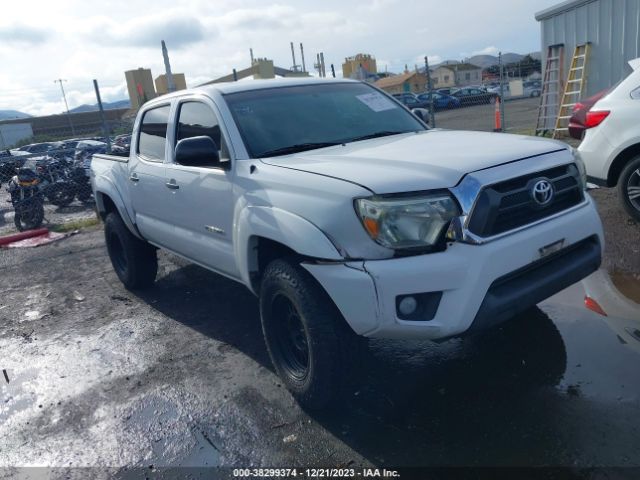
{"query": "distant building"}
[(612, 29), (443, 77), (456, 75), (161, 83), (352, 65), (407, 82), (140, 86), (262, 68)]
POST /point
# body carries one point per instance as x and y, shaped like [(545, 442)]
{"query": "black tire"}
[(134, 261), (311, 346), (61, 194), (629, 188), (29, 215)]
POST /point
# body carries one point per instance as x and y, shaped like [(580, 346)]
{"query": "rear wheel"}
[(134, 261), (61, 194), (312, 348), (629, 188)]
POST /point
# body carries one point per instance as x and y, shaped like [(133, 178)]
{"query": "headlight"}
[(582, 169), (407, 222)]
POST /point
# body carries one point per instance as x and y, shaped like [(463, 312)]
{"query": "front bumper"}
[(473, 279)]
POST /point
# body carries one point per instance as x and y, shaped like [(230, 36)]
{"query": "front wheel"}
[(29, 215), (311, 346), (134, 261), (629, 188)]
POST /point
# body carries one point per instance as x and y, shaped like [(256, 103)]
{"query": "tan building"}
[(178, 80), (456, 75), (443, 77), (407, 82), (364, 60), (140, 86)]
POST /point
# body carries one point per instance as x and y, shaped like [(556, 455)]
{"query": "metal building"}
[(611, 26)]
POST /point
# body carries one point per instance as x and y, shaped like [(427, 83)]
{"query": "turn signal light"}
[(592, 305), (595, 118)]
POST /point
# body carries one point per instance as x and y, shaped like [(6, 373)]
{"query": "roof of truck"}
[(246, 85)]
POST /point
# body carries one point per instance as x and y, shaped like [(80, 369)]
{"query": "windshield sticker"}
[(376, 102)]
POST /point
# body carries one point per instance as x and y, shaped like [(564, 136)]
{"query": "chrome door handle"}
[(172, 186), (134, 178)]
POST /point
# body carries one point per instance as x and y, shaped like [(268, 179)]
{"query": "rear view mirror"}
[(197, 152)]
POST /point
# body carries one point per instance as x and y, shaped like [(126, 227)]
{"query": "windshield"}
[(283, 120)]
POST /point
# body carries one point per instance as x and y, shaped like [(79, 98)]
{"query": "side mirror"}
[(422, 114), (197, 152)]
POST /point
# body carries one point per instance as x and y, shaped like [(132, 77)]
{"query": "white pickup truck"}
[(346, 215)]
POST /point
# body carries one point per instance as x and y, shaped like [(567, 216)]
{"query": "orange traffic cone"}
[(498, 120)]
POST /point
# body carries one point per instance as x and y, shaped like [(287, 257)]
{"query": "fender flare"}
[(104, 187), (283, 227)]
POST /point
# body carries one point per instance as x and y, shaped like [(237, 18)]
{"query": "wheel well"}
[(108, 206), (619, 162), (265, 251)]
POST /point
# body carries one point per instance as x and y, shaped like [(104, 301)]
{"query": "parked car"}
[(528, 91), (440, 101), (578, 121), (356, 221), (611, 145), (85, 149), (445, 91), (410, 100), (474, 96)]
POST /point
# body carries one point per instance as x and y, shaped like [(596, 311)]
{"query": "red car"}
[(581, 119)]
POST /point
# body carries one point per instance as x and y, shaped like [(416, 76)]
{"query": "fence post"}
[(432, 113), (105, 128), (500, 66)]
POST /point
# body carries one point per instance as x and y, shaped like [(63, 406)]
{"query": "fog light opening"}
[(407, 306)]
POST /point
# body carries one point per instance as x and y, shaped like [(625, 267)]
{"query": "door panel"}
[(148, 193), (201, 200)]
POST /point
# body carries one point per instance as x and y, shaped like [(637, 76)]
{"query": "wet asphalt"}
[(179, 376)]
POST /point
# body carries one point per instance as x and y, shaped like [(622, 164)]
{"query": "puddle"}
[(629, 285)]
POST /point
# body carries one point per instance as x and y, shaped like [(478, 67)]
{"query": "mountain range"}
[(485, 61), (105, 105), (11, 114)]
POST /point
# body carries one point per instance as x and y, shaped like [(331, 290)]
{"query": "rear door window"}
[(153, 134)]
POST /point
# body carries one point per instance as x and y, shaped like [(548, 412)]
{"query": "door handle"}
[(172, 186), (134, 178)]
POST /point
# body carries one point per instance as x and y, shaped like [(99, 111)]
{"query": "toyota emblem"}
[(542, 192)]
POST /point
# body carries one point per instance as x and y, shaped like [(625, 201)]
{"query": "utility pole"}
[(171, 86), (105, 129), (60, 80)]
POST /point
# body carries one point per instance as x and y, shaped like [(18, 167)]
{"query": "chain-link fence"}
[(46, 183), (464, 96)]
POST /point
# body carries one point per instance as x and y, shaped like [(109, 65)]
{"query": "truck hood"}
[(416, 161)]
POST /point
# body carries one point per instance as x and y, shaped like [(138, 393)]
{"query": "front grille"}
[(508, 205)]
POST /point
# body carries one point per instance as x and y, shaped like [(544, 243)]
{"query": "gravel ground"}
[(178, 375)]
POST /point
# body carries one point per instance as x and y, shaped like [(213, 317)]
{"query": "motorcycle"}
[(27, 199), (54, 181)]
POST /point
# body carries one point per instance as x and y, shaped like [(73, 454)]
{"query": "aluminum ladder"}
[(573, 89), (551, 90)]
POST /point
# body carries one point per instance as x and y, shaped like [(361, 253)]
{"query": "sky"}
[(79, 40)]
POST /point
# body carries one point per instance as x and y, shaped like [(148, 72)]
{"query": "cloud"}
[(485, 51), (177, 30), (24, 34)]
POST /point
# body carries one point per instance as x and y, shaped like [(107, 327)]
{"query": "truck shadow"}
[(411, 402)]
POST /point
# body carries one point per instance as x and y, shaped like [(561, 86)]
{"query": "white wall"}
[(11, 133)]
